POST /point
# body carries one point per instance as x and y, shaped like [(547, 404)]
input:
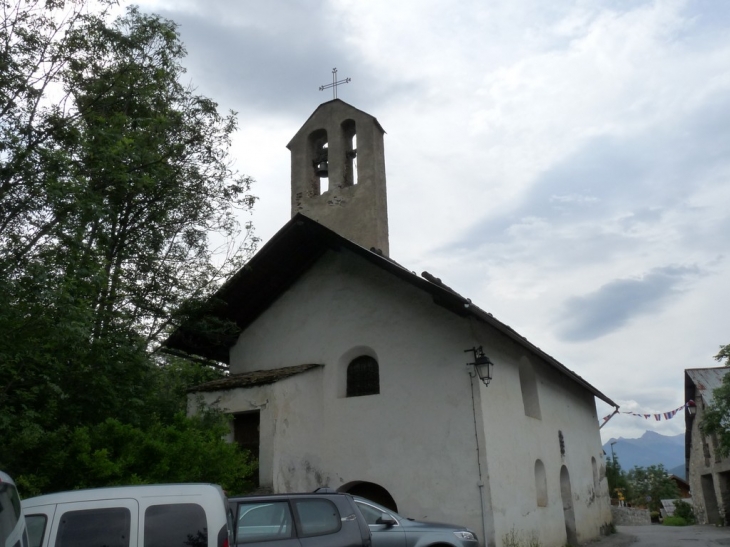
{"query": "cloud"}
[(619, 196), (550, 160), (613, 305), (273, 56), (246, 61)]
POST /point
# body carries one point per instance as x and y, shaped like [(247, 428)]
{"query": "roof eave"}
[(303, 229)]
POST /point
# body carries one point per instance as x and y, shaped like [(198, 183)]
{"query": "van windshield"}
[(9, 510)]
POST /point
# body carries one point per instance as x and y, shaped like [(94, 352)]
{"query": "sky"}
[(564, 164)]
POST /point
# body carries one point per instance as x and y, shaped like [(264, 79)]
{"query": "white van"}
[(12, 523), (163, 515)]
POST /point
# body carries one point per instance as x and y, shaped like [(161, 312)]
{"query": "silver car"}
[(389, 529)]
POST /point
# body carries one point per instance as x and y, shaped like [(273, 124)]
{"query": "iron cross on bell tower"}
[(334, 83)]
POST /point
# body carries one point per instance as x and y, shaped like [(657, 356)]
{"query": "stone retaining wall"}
[(630, 516)]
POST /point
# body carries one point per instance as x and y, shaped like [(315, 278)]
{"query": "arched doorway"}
[(370, 490), (567, 494)]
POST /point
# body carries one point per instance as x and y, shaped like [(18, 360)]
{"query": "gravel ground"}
[(665, 536), (619, 539)]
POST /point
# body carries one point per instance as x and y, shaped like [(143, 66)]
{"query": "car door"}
[(384, 535), (265, 523), (321, 524)]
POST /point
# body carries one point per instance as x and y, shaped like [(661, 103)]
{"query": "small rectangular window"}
[(95, 527), (263, 521), (317, 517), (175, 525)]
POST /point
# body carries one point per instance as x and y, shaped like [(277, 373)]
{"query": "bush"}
[(111, 453), (684, 510), (675, 521)]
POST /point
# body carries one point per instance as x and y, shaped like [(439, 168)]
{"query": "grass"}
[(515, 539)]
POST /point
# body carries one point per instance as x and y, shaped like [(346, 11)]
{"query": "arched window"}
[(541, 484), (363, 377)]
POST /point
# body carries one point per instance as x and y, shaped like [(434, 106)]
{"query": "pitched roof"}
[(252, 379), (291, 252), (336, 102), (706, 380)]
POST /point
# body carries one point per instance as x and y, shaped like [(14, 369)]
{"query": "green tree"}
[(118, 212), (716, 418), (684, 510), (616, 478), (649, 485)]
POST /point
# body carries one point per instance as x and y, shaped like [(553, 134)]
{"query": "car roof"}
[(254, 497), (117, 492)]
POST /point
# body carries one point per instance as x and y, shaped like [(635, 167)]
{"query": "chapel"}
[(352, 372)]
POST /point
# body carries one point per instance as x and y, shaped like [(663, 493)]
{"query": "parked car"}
[(320, 519), (163, 515), (389, 529), (12, 524)]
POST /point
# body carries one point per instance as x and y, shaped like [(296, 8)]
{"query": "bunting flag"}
[(658, 417)]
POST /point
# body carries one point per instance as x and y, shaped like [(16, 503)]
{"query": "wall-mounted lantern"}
[(691, 407), (482, 364)]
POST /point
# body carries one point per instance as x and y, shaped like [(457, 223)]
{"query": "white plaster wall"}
[(289, 413), (513, 450), (417, 437)]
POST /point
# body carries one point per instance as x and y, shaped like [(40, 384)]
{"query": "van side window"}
[(36, 528), (175, 524), (95, 527), (317, 517)]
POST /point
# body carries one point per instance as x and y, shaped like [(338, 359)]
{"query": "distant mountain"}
[(649, 449)]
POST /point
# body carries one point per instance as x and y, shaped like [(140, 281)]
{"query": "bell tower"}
[(338, 173)]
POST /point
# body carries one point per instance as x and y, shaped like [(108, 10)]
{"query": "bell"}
[(321, 170)]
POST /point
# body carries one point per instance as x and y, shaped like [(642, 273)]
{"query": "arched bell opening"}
[(319, 156), (349, 134), (370, 490)]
